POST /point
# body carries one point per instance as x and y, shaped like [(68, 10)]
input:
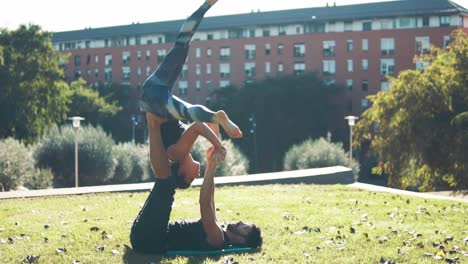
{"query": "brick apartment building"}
[(355, 46)]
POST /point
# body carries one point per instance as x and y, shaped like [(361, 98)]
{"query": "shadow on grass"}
[(132, 257)]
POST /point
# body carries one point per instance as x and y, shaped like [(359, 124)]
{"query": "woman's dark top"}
[(189, 235), (171, 131)]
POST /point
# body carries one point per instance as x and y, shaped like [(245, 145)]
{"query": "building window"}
[(252, 33), (329, 48), (224, 83), (349, 84), (421, 64), (299, 50), (364, 104), (148, 71), (209, 36), (422, 45), (299, 68), (225, 53), (365, 85), (407, 22), (77, 74), (208, 52), (384, 85), (365, 44), (425, 21), (348, 26), (126, 58), (267, 67), (139, 55), (197, 52), (208, 68), (249, 68), (88, 44), (96, 73), (108, 74), (444, 21), (280, 49), (266, 33), (139, 71), (249, 52), (365, 65), (367, 26), (387, 66), (161, 55), (148, 55), (126, 74), (329, 82), (350, 65), (280, 67), (96, 59), (197, 85), (235, 33), (267, 49), (209, 85), (184, 72), (77, 60), (387, 46), (386, 24), (183, 87), (197, 69), (349, 45), (108, 59), (447, 41), (138, 40), (225, 70), (329, 67), (281, 30)]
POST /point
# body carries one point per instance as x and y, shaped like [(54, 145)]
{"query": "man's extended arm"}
[(213, 231)]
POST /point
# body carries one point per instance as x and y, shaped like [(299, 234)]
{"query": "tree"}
[(33, 94), (287, 110), (1, 55), (88, 103), (421, 122)]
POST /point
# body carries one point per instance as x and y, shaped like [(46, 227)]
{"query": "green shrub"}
[(317, 154), (235, 164), (56, 150), (16, 164), (42, 179), (132, 163)]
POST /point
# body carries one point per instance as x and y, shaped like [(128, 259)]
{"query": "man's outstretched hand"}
[(214, 157)]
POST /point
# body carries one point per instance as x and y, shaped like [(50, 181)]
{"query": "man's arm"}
[(213, 230)]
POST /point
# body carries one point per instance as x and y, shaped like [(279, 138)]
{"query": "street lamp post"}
[(253, 131), (351, 123), (134, 123), (76, 125)]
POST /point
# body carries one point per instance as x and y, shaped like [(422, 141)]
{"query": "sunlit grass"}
[(300, 224)]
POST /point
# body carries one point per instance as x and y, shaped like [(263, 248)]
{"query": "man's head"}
[(186, 171), (241, 234)]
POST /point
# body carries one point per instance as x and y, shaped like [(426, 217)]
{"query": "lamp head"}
[(351, 120), (76, 121)]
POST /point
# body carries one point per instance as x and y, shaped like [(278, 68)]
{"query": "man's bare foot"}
[(211, 2), (231, 129)]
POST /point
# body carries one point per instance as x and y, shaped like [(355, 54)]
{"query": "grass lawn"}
[(300, 224)]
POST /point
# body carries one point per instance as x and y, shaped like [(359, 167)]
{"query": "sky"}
[(59, 15)]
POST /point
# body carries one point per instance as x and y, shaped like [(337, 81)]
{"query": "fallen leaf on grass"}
[(384, 261), (115, 252), (352, 230), (447, 239), (438, 257), (10, 240), (76, 262), (60, 250), (31, 259), (452, 260), (104, 235), (46, 240), (229, 260), (101, 248), (94, 229), (46, 226), (2, 241), (406, 244), (318, 249), (427, 254), (401, 252), (383, 239), (1, 229)]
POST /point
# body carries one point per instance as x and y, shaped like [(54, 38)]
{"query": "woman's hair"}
[(180, 179), (254, 238)]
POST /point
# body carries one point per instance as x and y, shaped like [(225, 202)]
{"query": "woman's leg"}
[(182, 110)]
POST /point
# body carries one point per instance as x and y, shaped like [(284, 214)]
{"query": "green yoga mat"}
[(173, 253)]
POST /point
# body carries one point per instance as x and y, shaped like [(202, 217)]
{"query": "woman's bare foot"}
[(211, 2), (231, 129)]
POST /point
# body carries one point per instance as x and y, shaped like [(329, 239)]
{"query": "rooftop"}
[(314, 15)]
